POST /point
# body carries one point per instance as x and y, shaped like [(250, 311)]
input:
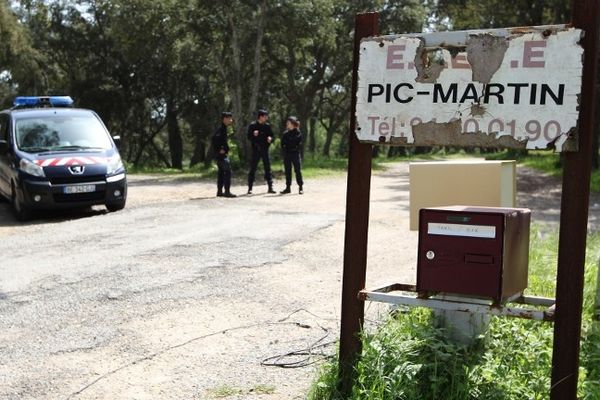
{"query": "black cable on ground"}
[(310, 355), (237, 328)]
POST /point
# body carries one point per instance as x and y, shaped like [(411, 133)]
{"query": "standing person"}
[(291, 143), (220, 147), (261, 137)]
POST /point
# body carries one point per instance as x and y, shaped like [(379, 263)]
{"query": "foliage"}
[(313, 166), (543, 161), (408, 357), (475, 14), (160, 72), (226, 391)]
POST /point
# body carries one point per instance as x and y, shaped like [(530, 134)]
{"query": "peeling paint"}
[(514, 87), (429, 64), (525, 307), (477, 110), (485, 54), (431, 133)]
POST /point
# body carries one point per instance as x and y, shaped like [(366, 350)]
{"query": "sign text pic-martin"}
[(515, 88)]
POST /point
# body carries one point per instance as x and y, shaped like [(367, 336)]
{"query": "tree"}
[(20, 63)]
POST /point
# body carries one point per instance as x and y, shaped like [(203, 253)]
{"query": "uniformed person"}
[(220, 147), (291, 143), (261, 137)]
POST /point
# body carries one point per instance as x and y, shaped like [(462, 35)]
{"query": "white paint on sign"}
[(507, 88)]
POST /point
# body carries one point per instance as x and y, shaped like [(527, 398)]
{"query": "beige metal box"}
[(472, 182)]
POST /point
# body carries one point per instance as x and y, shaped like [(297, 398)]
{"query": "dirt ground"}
[(184, 295)]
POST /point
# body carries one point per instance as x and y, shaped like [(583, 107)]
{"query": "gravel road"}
[(183, 295)]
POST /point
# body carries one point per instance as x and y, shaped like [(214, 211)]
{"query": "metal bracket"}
[(407, 295)]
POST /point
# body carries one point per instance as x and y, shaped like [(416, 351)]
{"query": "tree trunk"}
[(375, 151), (397, 151), (334, 126), (145, 143), (312, 135), (328, 140), (175, 140), (161, 155), (236, 87), (199, 154), (237, 84), (260, 31)]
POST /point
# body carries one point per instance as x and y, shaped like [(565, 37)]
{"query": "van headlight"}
[(114, 165), (31, 168)]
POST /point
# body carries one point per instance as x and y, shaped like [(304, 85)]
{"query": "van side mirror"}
[(117, 140), (3, 146)]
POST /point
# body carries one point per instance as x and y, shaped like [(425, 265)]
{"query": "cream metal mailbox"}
[(473, 251)]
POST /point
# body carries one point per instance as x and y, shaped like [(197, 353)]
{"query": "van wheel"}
[(21, 211), (112, 207)]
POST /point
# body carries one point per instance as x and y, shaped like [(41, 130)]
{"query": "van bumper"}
[(42, 194)]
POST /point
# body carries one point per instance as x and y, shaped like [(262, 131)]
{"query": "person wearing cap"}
[(261, 137), (291, 143), (220, 147)]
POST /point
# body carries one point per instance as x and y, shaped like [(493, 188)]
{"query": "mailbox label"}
[(478, 231)]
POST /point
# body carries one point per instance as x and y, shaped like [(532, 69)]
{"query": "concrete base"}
[(462, 327)]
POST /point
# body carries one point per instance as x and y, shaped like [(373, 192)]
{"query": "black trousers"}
[(294, 159), (260, 153), (224, 174)]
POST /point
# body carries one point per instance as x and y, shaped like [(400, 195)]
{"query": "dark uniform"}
[(219, 142), (291, 143), (260, 150)]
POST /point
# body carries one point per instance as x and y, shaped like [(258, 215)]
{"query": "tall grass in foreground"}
[(407, 357)]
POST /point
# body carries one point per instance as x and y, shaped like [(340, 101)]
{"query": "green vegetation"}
[(407, 357), (546, 162), (225, 391), (159, 72), (312, 167)]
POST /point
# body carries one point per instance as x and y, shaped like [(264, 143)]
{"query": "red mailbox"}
[(473, 251)]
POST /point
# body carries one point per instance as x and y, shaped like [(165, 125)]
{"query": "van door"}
[(5, 158)]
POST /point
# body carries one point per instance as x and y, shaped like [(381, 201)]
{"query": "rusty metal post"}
[(357, 226), (574, 216)]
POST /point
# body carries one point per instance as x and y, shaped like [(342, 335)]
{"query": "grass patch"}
[(544, 161), (408, 357), (320, 167), (196, 172), (263, 389), (225, 391), (312, 167)]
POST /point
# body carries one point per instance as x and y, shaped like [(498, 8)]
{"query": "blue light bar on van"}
[(40, 101)]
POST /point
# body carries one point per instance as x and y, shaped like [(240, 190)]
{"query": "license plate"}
[(79, 189)]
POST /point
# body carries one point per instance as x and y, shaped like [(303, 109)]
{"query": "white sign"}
[(478, 231), (500, 88)]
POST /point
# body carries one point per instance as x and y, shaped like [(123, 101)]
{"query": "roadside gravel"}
[(182, 295)]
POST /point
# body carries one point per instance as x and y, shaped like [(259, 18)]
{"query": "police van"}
[(53, 155)]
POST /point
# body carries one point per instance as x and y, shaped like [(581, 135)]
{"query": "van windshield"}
[(61, 132)]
